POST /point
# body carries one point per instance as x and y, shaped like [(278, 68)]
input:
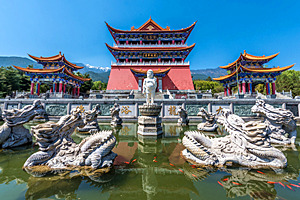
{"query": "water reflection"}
[(150, 168)]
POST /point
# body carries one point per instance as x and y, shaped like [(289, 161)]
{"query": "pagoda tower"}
[(57, 72), (248, 71), (150, 47)]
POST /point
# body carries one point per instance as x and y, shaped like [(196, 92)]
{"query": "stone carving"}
[(12, 132), (115, 115), (243, 110), (150, 121), (91, 122), (281, 123), (183, 117), (247, 144), (209, 121), (105, 109), (58, 152), (1, 112), (56, 109), (194, 109), (149, 86)]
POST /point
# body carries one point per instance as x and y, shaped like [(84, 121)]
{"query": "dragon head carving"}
[(16, 117), (280, 122), (247, 144)]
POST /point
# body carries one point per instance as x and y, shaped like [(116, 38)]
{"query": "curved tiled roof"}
[(159, 71), (63, 68), (57, 57), (255, 70), (159, 28), (32, 70), (150, 48), (227, 76), (74, 76), (246, 56)]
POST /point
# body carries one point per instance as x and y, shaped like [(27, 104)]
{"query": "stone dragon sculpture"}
[(209, 121), (91, 122), (247, 144), (57, 150), (281, 123), (115, 115), (183, 117), (12, 132)]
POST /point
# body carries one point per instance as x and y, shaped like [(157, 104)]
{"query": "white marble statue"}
[(149, 87)]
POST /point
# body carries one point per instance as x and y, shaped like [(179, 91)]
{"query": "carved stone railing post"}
[(209, 107), (69, 108), (231, 107)]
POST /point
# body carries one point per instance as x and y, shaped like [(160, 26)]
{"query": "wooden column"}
[(32, 87), (244, 87), (64, 88), (60, 86), (273, 87), (267, 88), (38, 88)]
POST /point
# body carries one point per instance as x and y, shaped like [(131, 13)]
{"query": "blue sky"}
[(224, 28)]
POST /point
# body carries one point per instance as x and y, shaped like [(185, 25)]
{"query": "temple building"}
[(58, 73), (150, 47), (248, 71)]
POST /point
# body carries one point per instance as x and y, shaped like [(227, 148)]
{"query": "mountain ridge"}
[(102, 73)]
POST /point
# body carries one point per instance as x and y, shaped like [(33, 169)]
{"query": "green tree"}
[(98, 85), (208, 79), (289, 80), (214, 86), (261, 88), (12, 80), (87, 85)]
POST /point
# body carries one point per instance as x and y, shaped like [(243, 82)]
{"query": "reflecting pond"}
[(150, 168)]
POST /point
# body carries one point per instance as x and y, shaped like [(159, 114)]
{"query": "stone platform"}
[(150, 121), (149, 125)]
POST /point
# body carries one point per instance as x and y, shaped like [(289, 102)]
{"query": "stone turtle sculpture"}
[(247, 144), (209, 123), (91, 122), (58, 151), (281, 122), (12, 132)]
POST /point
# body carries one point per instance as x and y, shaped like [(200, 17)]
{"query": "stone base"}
[(149, 125)]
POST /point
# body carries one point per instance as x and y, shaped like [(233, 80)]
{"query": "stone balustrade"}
[(129, 107)]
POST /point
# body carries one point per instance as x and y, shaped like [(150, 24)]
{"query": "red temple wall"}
[(178, 78)]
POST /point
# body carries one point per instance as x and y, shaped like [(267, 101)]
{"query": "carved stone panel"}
[(216, 108), (25, 104), (194, 109), (243, 110), (105, 109), (56, 109), (127, 110), (171, 110), (12, 106), (83, 106), (293, 108)]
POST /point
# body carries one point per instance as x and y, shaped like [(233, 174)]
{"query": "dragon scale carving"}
[(57, 150), (247, 144), (281, 123), (12, 132)]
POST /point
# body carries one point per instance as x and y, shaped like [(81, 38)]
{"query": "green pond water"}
[(151, 176)]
